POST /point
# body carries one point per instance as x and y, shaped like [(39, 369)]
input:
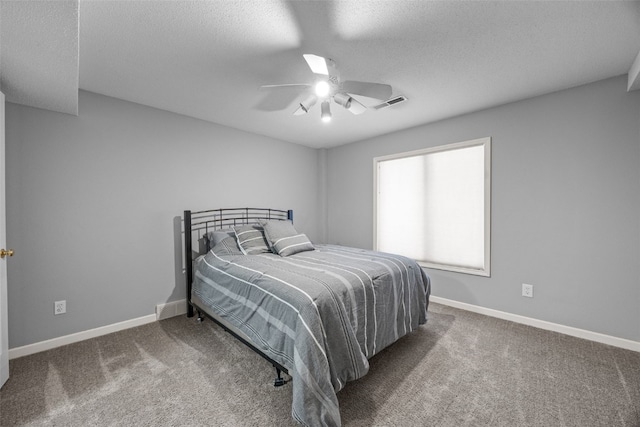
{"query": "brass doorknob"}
[(4, 253)]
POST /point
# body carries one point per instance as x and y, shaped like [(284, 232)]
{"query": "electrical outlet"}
[(60, 307), (527, 290)]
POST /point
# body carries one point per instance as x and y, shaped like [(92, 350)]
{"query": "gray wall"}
[(93, 203), (565, 205)]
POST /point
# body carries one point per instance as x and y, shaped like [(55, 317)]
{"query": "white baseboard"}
[(177, 308), (171, 309), (163, 311), (542, 324)]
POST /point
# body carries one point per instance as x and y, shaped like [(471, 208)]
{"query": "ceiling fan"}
[(328, 86)]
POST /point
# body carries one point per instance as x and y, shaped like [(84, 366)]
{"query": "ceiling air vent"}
[(390, 102)]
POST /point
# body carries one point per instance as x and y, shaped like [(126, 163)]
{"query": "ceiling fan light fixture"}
[(343, 99), (326, 112), (309, 102), (328, 86), (322, 88)]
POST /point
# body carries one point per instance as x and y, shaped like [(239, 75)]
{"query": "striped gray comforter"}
[(321, 314)]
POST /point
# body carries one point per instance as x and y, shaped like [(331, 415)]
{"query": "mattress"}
[(321, 314)]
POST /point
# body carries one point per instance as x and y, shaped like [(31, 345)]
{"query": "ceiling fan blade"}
[(279, 98), (370, 90), (299, 111), (305, 85), (356, 107), (318, 64)]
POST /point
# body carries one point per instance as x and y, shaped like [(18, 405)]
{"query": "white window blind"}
[(433, 205)]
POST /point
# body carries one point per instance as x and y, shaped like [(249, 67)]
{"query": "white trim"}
[(28, 349), (171, 309), (634, 75), (484, 142), (163, 311), (542, 324)]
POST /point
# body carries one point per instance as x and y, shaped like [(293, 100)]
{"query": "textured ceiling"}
[(39, 49), (207, 59)]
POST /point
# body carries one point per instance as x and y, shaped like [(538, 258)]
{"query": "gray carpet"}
[(461, 369)]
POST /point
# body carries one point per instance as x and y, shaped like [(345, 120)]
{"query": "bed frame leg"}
[(200, 318), (279, 381)]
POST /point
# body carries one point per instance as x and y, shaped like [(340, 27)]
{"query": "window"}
[(434, 205)]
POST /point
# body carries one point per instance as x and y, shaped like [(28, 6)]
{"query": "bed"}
[(317, 312)]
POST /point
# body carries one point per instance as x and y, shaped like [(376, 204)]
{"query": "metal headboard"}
[(198, 224)]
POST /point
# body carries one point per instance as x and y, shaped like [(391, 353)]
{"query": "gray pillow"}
[(284, 239), (218, 236), (227, 246), (251, 239)]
